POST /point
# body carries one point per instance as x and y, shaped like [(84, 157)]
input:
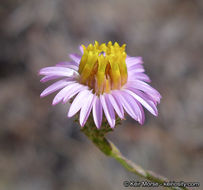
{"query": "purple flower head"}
[(102, 80)]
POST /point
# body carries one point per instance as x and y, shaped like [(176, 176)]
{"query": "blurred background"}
[(40, 149)]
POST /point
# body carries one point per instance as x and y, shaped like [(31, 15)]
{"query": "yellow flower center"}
[(103, 67)]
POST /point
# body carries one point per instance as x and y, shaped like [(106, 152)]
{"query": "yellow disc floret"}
[(103, 67)]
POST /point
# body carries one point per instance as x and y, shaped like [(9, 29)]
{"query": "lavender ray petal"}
[(86, 109), (81, 49), (139, 76), (71, 65), (140, 85), (54, 87), (148, 96), (118, 107), (78, 102), (62, 93), (75, 57), (127, 102), (97, 112), (142, 76), (49, 77), (108, 110), (135, 71), (59, 71), (142, 114), (119, 103), (148, 104), (73, 91), (139, 112), (133, 60), (138, 109), (149, 99), (135, 67)]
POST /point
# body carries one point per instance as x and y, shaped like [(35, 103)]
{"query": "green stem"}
[(138, 170), (109, 149)]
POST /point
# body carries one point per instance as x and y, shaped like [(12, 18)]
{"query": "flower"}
[(104, 79)]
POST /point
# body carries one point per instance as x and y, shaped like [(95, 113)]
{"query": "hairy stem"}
[(138, 170), (109, 149)]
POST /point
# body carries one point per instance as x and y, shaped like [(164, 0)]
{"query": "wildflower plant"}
[(104, 84)]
